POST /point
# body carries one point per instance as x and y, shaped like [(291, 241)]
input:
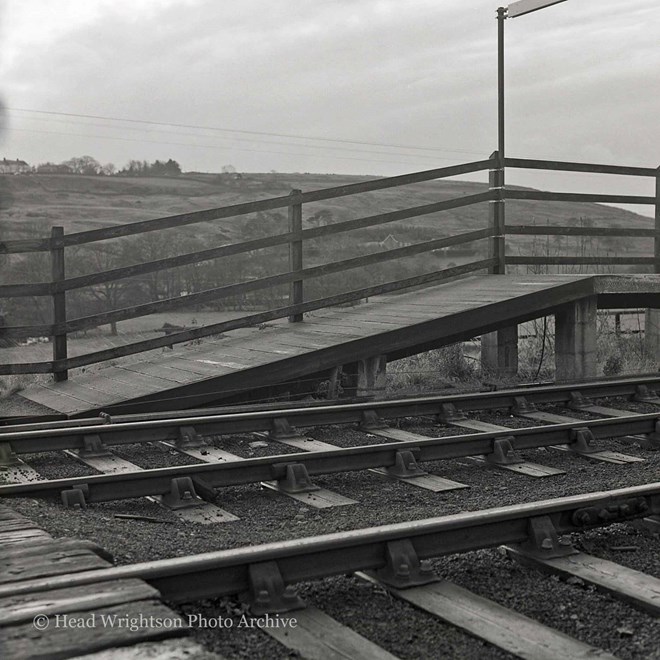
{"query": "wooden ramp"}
[(394, 326)]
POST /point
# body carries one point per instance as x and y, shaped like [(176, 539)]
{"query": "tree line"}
[(89, 166)]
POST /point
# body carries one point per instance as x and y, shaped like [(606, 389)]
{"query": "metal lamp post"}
[(515, 9)]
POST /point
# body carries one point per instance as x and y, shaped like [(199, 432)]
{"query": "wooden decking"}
[(395, 326)]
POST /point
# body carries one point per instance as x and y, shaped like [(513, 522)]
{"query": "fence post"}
[(295, 254), (652, 316), (499, 349), (497, 247), (58, 274)]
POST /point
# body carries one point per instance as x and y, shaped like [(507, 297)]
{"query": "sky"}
[(377, 87)]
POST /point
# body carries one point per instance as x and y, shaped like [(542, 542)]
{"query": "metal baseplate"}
[(7, 456), (581, 439), (281, 430), (93, 447), (543, 540), (521, 406), (504, 452), (403, 567), (182, 495), (644, 395), (652, 440), (188, 438), (293, 478), (268, 594), (371, 421), (449, 413), (578, 402), (76, 497), (405, 465)]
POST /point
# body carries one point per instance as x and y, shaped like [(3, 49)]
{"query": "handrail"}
[(295, 237), (268, 282), (273, 203), (544, 196), (270, 241), (565, 166), (557, 230)]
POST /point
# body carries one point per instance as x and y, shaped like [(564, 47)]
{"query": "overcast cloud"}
[(582, 81)]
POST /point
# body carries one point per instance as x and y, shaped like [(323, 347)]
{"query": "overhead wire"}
[(242, 131)]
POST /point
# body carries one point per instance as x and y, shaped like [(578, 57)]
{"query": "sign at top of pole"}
[(527, 6)]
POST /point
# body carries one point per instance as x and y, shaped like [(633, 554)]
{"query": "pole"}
[(296, 254), (59, 301), (501, 15)]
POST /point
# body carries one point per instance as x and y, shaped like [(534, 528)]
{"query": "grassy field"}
[(33, 203)]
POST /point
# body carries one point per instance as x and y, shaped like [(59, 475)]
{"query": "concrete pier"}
[(575, 340), (499, 352)]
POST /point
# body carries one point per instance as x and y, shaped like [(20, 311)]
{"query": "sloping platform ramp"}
[(394, 326)]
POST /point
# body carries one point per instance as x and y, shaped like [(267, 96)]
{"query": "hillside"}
[(32, 204)]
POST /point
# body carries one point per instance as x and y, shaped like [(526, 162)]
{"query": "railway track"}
[(392, 462), (394, 558), (398, 454)]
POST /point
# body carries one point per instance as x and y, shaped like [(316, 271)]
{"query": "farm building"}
[(13, 166)]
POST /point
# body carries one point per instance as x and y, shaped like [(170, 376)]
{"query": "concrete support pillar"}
[(366, 378), (652, 334), (499, 352), (575, 341)]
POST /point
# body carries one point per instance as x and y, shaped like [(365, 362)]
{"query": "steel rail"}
[(226, 572), (129, 429), (206, 477)]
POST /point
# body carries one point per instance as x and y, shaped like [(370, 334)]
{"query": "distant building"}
[(390, 243), (13, 166), (51, 168)]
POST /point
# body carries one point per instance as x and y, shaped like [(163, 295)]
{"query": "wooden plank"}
[(498, 625), (597, 198), (55, 400), (17, 525), (524, 467), (556, 230), (253, 319), (639, 589), (163, 376), (54, 546), (16, 568), (565, 166), (318, 499), (79, 391), (61, 641), (178, 648), (21, 472), (110, 464), (317, 636), (113, 389), (22, 538), (527, 468), (552, 418), (206, 453), (9, 514), (192, 365), (24, 607), (431, 482)]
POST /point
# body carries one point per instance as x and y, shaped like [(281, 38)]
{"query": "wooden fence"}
[(495, 231)]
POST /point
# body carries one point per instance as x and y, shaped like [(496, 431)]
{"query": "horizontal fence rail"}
[(295, 239), (594, 168)]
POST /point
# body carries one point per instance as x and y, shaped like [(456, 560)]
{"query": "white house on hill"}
[(13, 166)]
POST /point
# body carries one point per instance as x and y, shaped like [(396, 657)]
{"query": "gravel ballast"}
[(398, 627)]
